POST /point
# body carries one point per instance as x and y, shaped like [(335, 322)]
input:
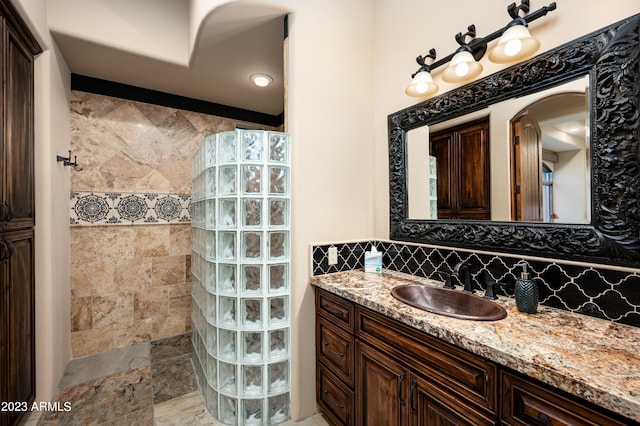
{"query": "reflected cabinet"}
[(462, 168)]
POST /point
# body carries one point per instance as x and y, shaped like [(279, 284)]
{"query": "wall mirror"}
[(602, 68)]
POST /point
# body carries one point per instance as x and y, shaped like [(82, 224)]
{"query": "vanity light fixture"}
[(515, 43), (464, 65), (422, 83), (261, 80)]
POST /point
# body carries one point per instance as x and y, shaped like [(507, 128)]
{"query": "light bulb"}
[(421, 85), (462, 69), (513, 47)]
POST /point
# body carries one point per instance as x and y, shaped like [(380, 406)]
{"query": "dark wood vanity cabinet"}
[(462, 168), (17, 216), (372, 370)]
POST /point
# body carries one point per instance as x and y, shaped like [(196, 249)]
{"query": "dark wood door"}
[(431, 406), (463, 170), (17, 211), (383, 385), (17, 312), (441, 146)]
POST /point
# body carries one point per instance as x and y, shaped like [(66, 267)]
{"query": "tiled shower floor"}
[(145, 384)]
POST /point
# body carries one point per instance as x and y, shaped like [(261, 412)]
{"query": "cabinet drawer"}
[(335, 348), (336, 399), (460, 372), (335, 308), (527, 403)]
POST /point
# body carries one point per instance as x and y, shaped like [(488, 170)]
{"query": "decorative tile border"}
[(605, 293), (117, 208)]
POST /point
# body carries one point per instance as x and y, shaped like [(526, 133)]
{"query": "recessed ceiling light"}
[(261, 80)]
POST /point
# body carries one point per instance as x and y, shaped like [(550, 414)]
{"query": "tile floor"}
[(145, 384)]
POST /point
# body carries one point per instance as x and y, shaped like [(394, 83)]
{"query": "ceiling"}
[(233, 42)]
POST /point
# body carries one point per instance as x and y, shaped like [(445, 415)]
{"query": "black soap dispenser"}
[(526, 291)]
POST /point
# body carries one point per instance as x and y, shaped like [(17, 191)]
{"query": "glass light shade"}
[(421, 85), (463, 67), (516, 43)]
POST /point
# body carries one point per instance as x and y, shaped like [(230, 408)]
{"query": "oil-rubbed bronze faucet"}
[(461, 271)]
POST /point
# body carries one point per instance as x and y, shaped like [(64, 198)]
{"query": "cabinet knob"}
[(6, 250)]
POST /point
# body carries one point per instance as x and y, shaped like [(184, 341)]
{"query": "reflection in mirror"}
[(544, 177)]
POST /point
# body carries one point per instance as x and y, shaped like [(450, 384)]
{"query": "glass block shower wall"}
[(240, 266)]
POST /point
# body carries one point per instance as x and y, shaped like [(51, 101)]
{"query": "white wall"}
[(52, 206), (406, 29)]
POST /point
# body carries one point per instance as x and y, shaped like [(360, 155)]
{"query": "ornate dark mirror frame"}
[(611, 58)]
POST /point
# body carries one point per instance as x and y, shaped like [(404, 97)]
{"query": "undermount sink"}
[(451, 303)]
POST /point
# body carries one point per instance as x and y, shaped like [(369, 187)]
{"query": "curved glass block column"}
[(241, 269)]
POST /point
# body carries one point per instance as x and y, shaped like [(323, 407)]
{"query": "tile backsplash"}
[(605, 293)]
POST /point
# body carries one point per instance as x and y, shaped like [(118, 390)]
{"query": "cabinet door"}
[(473, 172), (382, 389), (17, 315), (431, 406), (441, 146), (17, 210)]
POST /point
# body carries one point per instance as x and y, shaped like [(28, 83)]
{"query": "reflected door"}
[(527, 169)]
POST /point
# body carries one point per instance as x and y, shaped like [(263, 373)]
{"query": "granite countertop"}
[(594, 359)]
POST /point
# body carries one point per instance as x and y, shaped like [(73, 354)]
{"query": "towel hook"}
[(66, 161)]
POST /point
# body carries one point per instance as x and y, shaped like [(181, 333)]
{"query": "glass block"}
[(212, 401), (209, 215), (210, 244), (209, 151), (278, 180), (228, 180), (278, 277), (279, 408), (210, 183), (251, 278), (278, 310), (278, 212), (227, 245), (212, 339), (228, 210), (252, 352), (278, 147), (227, 350), (211, 308), (251, 312), (227, 311), (278, 344), (252, 179), (252, 145), (278, 245), (212, 371), (252, 412), (210, 277), (228, 409), (278, 376), (252, 379), (227, 279), (251, 245), (227, 147), (251, 212)]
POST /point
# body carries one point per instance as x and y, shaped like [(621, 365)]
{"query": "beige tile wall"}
[(132, 283)]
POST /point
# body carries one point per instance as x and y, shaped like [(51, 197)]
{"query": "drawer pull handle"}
[(414, 383), (326, 344), (332, 401), (545, 419), (331, 310), (402, 377)]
